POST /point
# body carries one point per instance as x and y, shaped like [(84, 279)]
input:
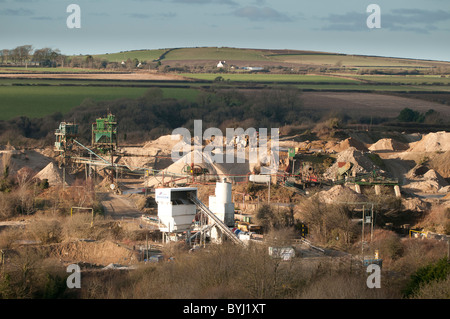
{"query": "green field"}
[(219, 54), (40, 97), (37, 97), (255, 77), (368, 87), (38, 101), (349, 60), (141, 55), (82, 82), (408, 80)]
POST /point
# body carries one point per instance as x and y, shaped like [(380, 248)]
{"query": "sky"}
[(409, 28)]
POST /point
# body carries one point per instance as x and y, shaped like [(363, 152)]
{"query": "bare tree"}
[(21, 54), (5, 55)]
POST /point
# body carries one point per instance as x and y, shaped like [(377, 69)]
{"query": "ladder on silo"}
[(217, 222)]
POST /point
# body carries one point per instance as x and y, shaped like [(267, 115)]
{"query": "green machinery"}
[(65, 135), (104, 140), (104, 134)]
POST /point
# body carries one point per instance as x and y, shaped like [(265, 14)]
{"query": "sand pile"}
[(154, 154), (430, 182), (350, 142), (417, 171), (432, 142), (164, 143), (445, 190), (340, 193), (415, 205), (53, 174), (441, 164), (388, 144), (176, 170), (361, 162), (24, 158), (205, 161), (330, 145), (134, 163)]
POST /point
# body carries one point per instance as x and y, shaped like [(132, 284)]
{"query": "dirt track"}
[(118, 207)]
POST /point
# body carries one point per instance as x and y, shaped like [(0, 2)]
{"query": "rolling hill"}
[(264, 57)]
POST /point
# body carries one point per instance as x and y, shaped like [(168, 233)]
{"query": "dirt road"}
[(118, 207)]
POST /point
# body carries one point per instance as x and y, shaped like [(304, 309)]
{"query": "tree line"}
[(25, 55), (153, 115)]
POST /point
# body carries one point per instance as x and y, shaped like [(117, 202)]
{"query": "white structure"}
[(221, 204), (260, 179), (220, 64), (175, 210), (285, 253)]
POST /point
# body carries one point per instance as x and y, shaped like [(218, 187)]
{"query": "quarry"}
[(128, 206)]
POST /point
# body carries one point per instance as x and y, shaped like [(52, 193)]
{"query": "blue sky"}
[(411, 29)]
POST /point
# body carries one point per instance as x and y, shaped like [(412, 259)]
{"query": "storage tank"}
[(223, 192), (221, 204)]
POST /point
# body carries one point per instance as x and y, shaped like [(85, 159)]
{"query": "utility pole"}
[(64, 176), (146, 239), (362, 235), (371, 222)]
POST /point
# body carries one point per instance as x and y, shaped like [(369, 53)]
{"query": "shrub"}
[(433, 272), (47, 231), (436, 289)]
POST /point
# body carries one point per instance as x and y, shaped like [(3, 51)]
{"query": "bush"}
[(47, 231), (270, 218), (432, 272), (436, 289), (7, 206), (31, 275), (388, 244)]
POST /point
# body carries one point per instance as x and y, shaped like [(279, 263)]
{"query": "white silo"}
[(221, 204)]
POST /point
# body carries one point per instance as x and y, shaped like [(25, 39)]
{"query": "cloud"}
[(166, 15), (139, 15), (16, 12), (42, 18), (225, 2), (99, 14), (405, 20), (414, 20), (261, 14)]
